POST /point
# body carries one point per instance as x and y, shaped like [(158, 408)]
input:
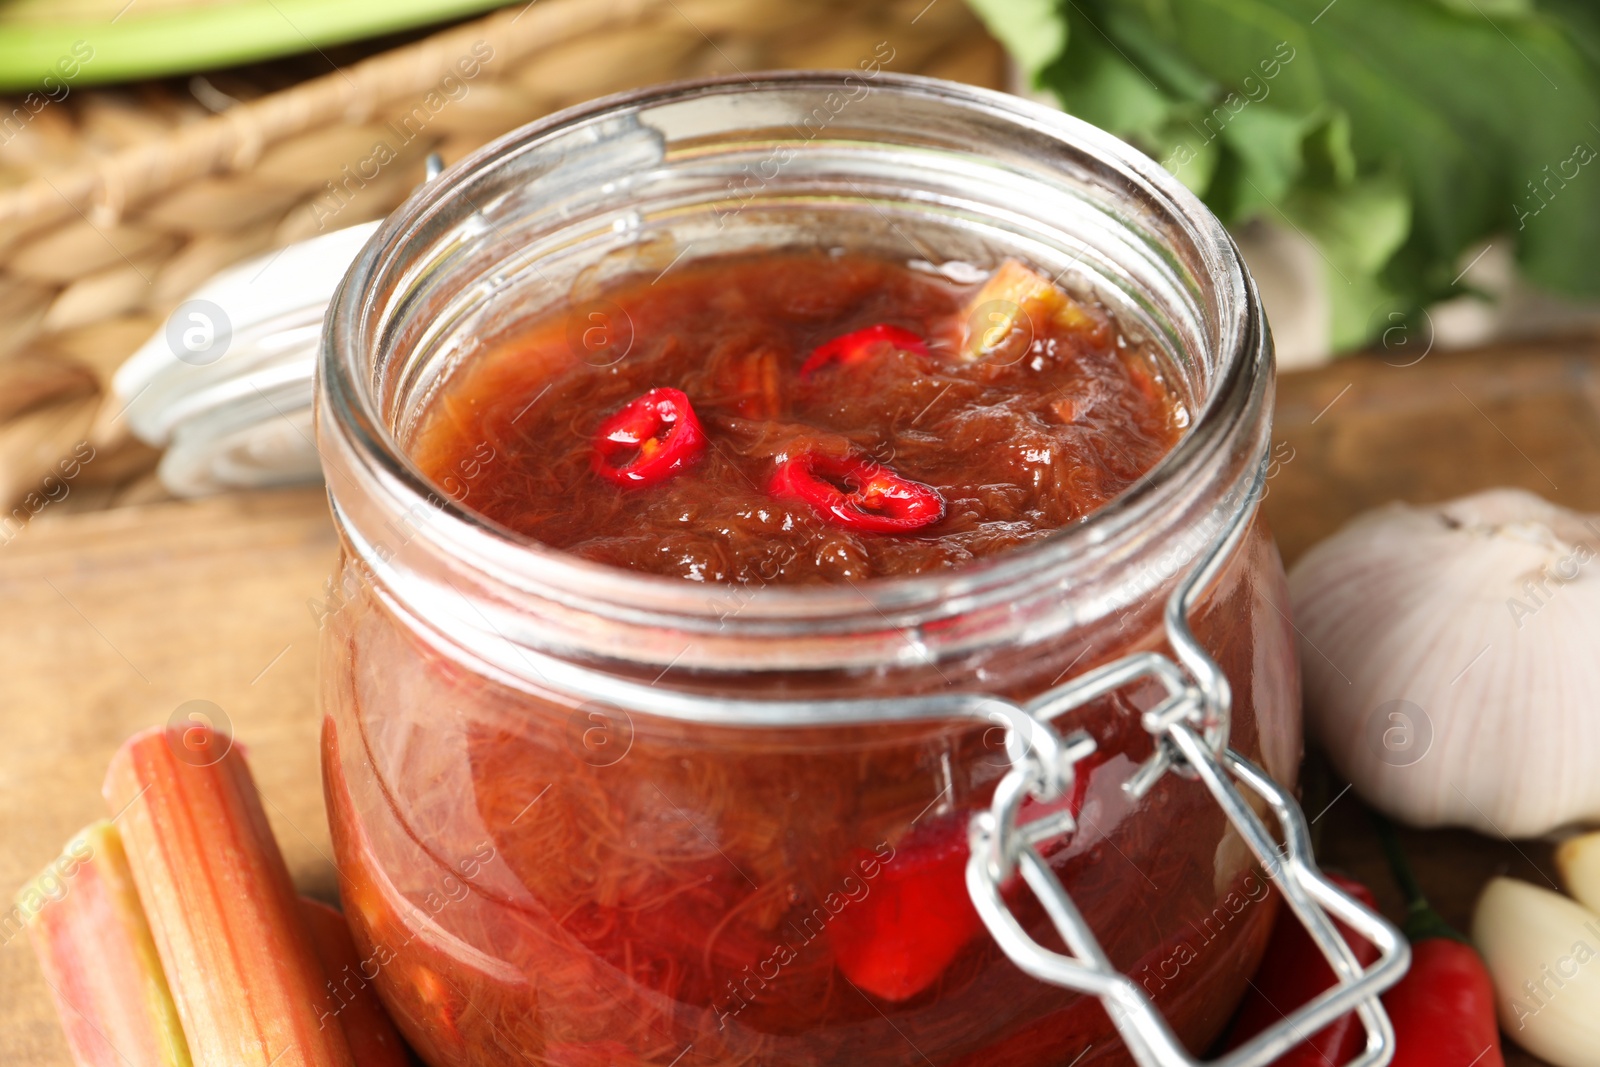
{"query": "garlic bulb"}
[(1449, 660), (1543, 954)]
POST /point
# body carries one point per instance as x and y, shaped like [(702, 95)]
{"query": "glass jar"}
[(586, 816)]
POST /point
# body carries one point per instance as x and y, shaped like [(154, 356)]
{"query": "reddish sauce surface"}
[(1025, 411)]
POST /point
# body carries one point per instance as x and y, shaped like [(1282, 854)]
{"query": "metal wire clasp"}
[(1190, 725)]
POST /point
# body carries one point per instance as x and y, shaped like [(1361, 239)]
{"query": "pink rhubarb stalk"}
[(223, 913), (94, 947)]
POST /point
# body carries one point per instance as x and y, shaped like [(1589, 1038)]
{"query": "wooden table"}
[(113, 619)]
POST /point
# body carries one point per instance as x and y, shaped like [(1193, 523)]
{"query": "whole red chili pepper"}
[(648, 439), (862, 345), (1443, 1010), (857, 493), (1293, 972)]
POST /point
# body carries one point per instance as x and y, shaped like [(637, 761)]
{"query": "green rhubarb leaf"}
[(1100, 86), (1580, 20), (1267, 143), (1358, 228), (1493, 104), (1330, 160), (1154, 56), (1394, 134), (1494, 9), (1187, 151), (1033, 31)]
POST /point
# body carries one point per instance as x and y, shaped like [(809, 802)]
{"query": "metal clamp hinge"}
[(1190, 727)]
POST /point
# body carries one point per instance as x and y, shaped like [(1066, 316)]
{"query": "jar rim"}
[(349, 415)]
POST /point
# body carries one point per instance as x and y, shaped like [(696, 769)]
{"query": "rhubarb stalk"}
[(94, 947), (225, 918), (372, 1037)]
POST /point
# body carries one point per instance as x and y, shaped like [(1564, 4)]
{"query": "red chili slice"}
[(863, 344), (857, 493), (914, 916), (649, 439)]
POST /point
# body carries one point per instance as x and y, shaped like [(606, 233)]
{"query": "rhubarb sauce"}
[(1022, 409)]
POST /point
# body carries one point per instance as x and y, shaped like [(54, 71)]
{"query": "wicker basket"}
[(116, 203)]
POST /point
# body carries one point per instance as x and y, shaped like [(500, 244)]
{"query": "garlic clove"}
[(1543, 953), (1447, 663), (1578, 860)]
